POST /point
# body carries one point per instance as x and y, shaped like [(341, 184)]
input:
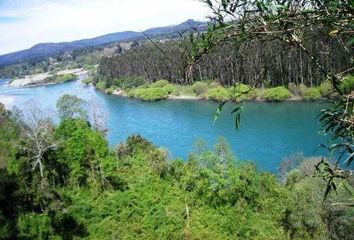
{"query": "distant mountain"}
[(44, 50)]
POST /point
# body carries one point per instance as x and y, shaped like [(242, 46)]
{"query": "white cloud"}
[(67, 20)]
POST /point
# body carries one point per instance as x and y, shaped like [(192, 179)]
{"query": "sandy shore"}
[(184, 97), (38, 79), (29, 80)]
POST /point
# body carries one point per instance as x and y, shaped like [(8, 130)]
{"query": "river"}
[(269, 131)]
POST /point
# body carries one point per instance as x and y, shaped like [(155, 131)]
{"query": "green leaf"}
[(218, 111)]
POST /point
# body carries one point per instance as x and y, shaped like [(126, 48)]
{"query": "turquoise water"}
[(269, 131)]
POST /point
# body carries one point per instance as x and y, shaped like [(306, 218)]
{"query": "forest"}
[(263, 61)]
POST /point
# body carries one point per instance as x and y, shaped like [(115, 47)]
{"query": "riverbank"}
[(162, 90), (48, 78)]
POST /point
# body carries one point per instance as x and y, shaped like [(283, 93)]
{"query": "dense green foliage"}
[(311, 94), (200, 88), (242, 92), (219, 94), (276, 94), (150, 93), (326, 88), (62, 78), (88, 191), (70, 107), (101, 86), (347, 85)]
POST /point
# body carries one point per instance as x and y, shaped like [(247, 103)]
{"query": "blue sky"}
[(24, 23)]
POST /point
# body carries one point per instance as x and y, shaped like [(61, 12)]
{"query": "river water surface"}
[(269, 131)]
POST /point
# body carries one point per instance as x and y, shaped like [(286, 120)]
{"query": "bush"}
[(326, 88), (60, 78), (184, 90), (293, 88), (149, 94), (311, 94), (65, 77), (160, 83), (87, 81), (219, 94), (242, 92), (111, 90), (276, 94), (347, 85), (101, 86), (302, 88), (200, 88), (169, 88)]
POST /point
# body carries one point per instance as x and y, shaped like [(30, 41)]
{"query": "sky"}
[(24, 23)]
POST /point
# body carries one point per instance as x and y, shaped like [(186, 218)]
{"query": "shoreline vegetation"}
[(213, 91), (145, 90)]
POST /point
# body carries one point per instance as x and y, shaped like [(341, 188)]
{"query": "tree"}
[(38, 134), (71, 107)]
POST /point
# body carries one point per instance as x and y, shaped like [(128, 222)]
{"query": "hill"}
[(44, 50)]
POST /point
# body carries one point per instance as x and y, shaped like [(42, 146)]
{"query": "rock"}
[(119, 92)]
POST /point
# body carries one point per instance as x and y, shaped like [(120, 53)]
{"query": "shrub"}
[(276, 94), (101, 86), (219, 94), (111, 90), (311, 94), (87, 81), (169, 88), (160, 83), (65, 77), (302, 88), (242, 92), (347, 85), (293, 88), (184, 90), (150, 94), (200, 88), (326, 88), (60, 78)]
